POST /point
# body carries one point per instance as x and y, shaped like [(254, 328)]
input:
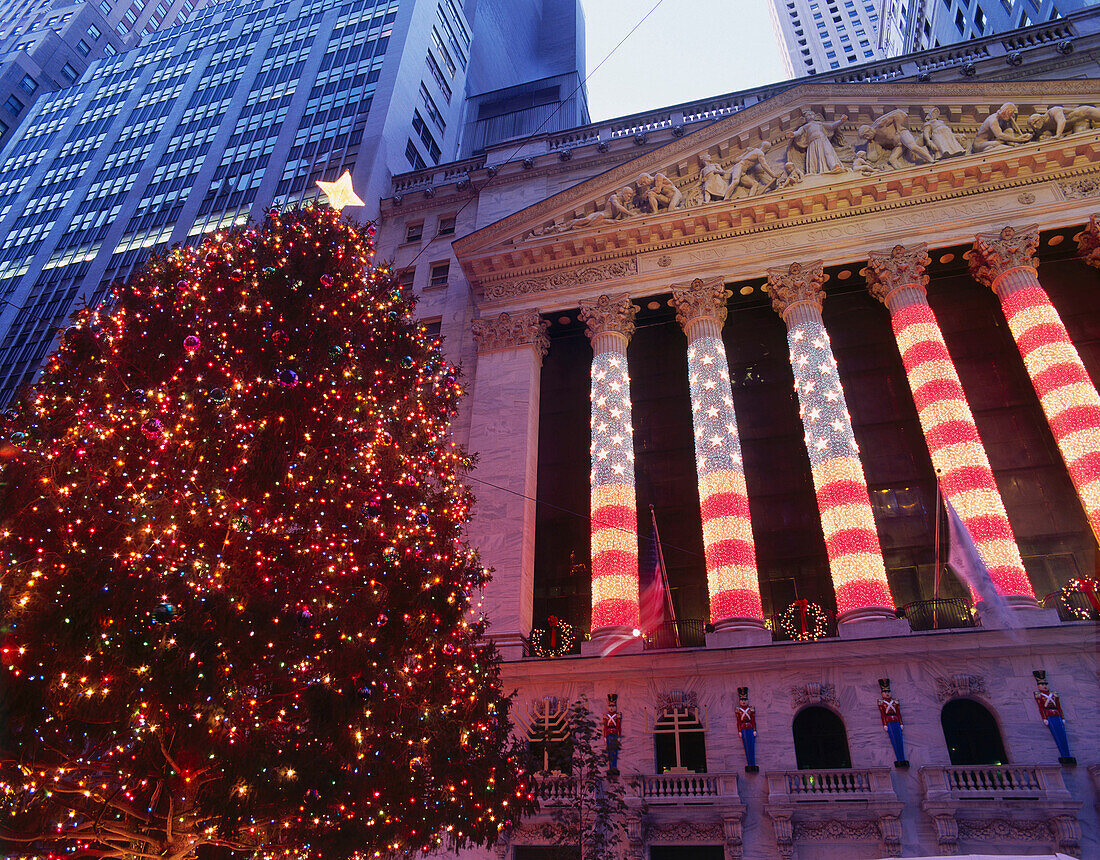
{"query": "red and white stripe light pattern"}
[(851, 541), (958, 455), (732, 578), (1066, 392), (614, 506)]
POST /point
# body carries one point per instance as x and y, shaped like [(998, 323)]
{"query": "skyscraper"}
[(821, 35), (204, 125)]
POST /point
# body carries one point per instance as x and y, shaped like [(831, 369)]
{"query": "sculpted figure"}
[(620, 204), (870, 158), (999, 129), (1055, 120), (792, 175), (658, 192), (713, 180), (752, 172), (938, 136), (815, 138), (891, 132)]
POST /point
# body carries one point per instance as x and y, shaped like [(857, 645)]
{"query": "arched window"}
[(679, 741), (820, 741), (971, 733)]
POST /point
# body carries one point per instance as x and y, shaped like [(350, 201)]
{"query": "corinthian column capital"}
[(795, 285), (700, 300), (609, 315), (901, 266), (995, 254), (508, 331), (1088, 243)]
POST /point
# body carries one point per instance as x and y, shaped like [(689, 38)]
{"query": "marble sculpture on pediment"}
[(938, 136), (1055, 119), (998, 130), (752, 173), (813, 140), (891, 133), (713, 179)]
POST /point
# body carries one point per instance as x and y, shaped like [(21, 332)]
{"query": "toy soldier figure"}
[(746, 727), (1050, 709), (612, 733), (889, 709)]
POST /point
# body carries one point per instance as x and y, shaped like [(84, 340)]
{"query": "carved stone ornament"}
[(562, 279), (1088, 243), (997, 253), (796, 284), (813, 693), (959, 686), (609, 314), (677, 699), (1003, 830), (687, 831), (947, 833), (834, 830), (901, 266), (508, 331), (700, 299), (1078, 188)]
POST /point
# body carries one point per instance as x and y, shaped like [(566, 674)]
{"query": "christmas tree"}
[(235, 592)]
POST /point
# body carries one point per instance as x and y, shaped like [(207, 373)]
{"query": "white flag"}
[(966, 562)]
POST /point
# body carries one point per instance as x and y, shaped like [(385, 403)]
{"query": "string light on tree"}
[(234, 573)]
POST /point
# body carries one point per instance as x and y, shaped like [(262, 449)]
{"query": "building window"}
[(3, 128), (414, 232), (439, 274), (820, 741), (971, 733), (679, 741), (83, 48), (416, 162), (121, 28), (13, 105), (105, 7), (549, 736), (405, 279), (432, 110), (28, 84), (109, 49), (432, 327), (979, 20), (960, 22), (69, 72), (94, 32), (447, 225)]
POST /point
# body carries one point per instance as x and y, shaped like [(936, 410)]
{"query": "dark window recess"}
[(679, 742), (405, 278), (820, 741), (414, 232), (439, 274), (446, 226), (971, 734), (432, 328), (28, 84), (416, 161), (83, 47), (13, 105)]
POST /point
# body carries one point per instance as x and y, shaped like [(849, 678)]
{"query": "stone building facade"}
[(779, 329)]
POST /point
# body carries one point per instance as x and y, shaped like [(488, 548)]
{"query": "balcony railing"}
[(551, 788), (938, 614), (800, 786), (687, 787), (684, 633), (994, 782), (1074, 604)]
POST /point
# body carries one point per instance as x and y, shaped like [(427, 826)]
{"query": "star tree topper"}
[(339, 193)]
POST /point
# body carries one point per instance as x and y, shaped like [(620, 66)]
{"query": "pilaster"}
[(504, 435)]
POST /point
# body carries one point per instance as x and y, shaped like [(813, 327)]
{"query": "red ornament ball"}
[(192, 343), (152, 428), (287, 378)]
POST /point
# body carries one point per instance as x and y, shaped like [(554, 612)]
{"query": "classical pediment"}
[(814, 153)]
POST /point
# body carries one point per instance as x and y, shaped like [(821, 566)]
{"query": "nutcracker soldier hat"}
[(884, 685), (612, 700), (743, 693), (1040, 676)]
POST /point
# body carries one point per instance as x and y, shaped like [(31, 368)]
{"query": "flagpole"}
[(664, 577), (936, 578)]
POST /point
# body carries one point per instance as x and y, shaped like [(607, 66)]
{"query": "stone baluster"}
[(614, 526), (896, 278), (504, 434), (851, 541), (732, 580), (1006, 262)]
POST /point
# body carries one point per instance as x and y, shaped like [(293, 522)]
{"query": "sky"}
[(685, 50)]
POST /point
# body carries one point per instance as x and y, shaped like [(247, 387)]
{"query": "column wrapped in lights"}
[(610, 323), (1005, 261), (851, 541), (732, 579), (896, 278)]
